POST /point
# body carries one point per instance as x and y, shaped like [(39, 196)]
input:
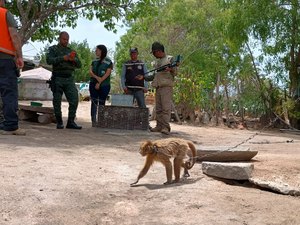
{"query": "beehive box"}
[(123, 117), (121, 100)]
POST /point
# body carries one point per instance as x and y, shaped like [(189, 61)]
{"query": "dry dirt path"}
[(70, 177)]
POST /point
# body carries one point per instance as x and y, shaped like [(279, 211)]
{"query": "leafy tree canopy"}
[(41, 20)]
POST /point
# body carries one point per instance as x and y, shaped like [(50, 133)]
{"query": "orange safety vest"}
[(6, 44)]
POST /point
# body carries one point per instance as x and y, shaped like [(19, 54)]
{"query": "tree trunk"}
[(226, 104), (217, 100)]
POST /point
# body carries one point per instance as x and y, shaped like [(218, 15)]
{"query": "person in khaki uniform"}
[(163, 83)]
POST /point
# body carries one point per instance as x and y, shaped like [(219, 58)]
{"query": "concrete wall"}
[(34, 89)]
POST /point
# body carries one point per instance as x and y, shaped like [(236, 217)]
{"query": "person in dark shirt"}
[(64, 61)]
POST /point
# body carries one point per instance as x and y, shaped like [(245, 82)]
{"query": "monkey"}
[(164, 149)]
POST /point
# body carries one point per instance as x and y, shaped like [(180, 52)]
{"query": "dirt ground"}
[(82, 177)]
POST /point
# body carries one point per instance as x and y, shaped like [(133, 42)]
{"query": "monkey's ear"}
[(146, 148), (149, 146)]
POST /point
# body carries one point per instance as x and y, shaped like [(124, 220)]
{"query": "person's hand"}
[(168, 69), (66, 57), (20, 62), (145, 90), (99, 79), (139, 77), (126, 90), (72, 56), (97, 86)]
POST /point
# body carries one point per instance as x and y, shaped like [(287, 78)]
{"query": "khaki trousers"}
[(163, 105)]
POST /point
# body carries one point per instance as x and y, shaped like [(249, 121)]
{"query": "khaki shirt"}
[(163, 79)]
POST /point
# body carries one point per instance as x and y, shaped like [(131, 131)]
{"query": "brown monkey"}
[(164, 149)]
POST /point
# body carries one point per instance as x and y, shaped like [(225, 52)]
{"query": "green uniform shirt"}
[(55, 57), (99, 68)]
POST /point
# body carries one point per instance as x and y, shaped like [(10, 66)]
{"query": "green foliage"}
[(42, 20), (293, 107), (211, 36), (86, 56)]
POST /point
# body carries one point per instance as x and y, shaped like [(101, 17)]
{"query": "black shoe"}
[(73, 125), (59, 122), (59, 126), (155, 129)]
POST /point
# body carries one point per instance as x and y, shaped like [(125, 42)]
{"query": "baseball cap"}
[(156, 46), (131, 50)]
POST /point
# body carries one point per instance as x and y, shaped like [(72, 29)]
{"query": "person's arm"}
[(18, 46), (106, 75), (16, 39), (52, 58), (77, 62), (92, 74), (172, 70), (146, 83), (123, 78)]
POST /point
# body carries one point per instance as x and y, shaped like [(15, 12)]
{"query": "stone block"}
[(221, 154), (235, 171)]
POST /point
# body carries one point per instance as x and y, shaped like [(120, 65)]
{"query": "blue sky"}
[(92, 31)]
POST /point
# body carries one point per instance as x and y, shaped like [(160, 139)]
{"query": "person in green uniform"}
[(99, 87), (64, 61)]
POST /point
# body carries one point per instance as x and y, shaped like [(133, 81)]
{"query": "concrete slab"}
[(222, 154), (235, 171), (280, 187)]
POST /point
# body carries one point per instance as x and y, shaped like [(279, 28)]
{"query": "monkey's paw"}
[(186, 175), (168, 183), (134, 183)]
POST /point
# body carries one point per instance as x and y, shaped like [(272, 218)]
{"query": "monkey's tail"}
[(191, 162)]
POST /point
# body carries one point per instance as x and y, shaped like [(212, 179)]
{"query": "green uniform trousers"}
[(67, 86)]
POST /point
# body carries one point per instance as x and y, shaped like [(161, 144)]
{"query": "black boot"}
[(59, 123), (72, 125)]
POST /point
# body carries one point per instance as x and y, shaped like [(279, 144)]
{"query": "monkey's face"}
[(146, 148)]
